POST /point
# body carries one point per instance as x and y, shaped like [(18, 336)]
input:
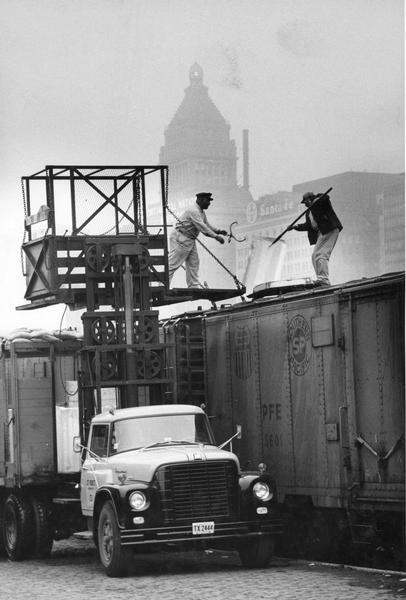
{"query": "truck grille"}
[(198, 491)]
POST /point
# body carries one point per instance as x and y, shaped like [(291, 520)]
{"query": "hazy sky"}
[(318, 84)]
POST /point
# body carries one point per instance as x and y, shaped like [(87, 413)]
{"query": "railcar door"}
[(375, 363), (301, 393)]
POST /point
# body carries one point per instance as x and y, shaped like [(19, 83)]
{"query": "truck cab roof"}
[(146, 411)]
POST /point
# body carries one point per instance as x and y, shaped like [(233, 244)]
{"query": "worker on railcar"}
[(183, 239), (323, 228)]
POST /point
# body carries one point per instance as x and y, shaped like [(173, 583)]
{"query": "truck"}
[(91, 438), (148, 477)]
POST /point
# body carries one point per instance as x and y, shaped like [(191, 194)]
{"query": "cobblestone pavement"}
[(73, 572)]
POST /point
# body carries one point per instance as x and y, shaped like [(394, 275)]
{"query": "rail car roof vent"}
[(275, 288)]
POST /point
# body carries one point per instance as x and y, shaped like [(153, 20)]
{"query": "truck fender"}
[(248, 478), (102, 496), (249, 503)]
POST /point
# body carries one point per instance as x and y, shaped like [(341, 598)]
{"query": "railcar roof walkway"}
[(177, 295)]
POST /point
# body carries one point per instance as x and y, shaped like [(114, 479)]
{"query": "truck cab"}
[(154, 476)]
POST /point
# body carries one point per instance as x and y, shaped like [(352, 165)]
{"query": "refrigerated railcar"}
[(316, 379)]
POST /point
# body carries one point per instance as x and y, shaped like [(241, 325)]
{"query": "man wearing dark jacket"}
[(323, 228)]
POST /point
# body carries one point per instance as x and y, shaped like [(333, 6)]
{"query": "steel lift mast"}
[(96, 238)]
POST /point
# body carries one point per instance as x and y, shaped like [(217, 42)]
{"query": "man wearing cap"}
[(323, 227), (183, 239)]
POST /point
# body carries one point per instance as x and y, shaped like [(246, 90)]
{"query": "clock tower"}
[(202, 158)]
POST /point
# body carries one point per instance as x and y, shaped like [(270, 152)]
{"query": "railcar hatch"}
[(275, 288)]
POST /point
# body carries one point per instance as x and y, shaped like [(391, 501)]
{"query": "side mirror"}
[(77, 446), (237, 435)]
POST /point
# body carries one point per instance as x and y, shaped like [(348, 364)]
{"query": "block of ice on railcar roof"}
[(265, 262)]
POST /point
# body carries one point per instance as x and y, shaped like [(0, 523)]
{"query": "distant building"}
[(202, 158), (371, 208), (392, 230)]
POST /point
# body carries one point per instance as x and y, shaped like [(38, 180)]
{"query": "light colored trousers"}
[(183, 250), (322, 252)]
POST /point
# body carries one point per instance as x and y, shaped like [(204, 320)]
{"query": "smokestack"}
[(245, 160)]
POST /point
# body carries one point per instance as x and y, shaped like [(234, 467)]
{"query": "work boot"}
[(320, 283)]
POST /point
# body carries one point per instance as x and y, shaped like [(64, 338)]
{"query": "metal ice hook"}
[(231, 234)]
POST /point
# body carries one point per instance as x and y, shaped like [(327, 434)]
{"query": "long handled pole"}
[(300, 216)]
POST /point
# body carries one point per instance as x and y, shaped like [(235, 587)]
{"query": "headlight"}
[(138, 501), (262, 492)]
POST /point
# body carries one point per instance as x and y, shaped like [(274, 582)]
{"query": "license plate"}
[(203, 528)]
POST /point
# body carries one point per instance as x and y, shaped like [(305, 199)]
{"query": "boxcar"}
[(316, 379)]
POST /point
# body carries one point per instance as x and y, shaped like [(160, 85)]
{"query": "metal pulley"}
[(145, 330), (97, 257), (103, 331), (140, 260), (148, 364)]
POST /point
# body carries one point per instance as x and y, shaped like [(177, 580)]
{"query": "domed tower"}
[(202, 157)]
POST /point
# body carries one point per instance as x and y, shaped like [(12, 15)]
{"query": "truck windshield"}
[(131, 434)]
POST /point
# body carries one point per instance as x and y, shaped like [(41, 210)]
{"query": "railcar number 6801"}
[(273, 440)]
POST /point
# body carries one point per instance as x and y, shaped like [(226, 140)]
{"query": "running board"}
[(83, 535)]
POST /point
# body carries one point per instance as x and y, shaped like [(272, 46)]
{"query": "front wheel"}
[(17, 528), (258, 553), (114, 558), (2, 547)]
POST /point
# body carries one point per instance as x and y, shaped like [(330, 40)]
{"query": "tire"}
[(17, 528), (258, 553), (95, 536), (2, 548), (43, 540), (113, 556)]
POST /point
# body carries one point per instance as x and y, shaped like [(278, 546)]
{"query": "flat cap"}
[(204, 195), (308, 196)]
